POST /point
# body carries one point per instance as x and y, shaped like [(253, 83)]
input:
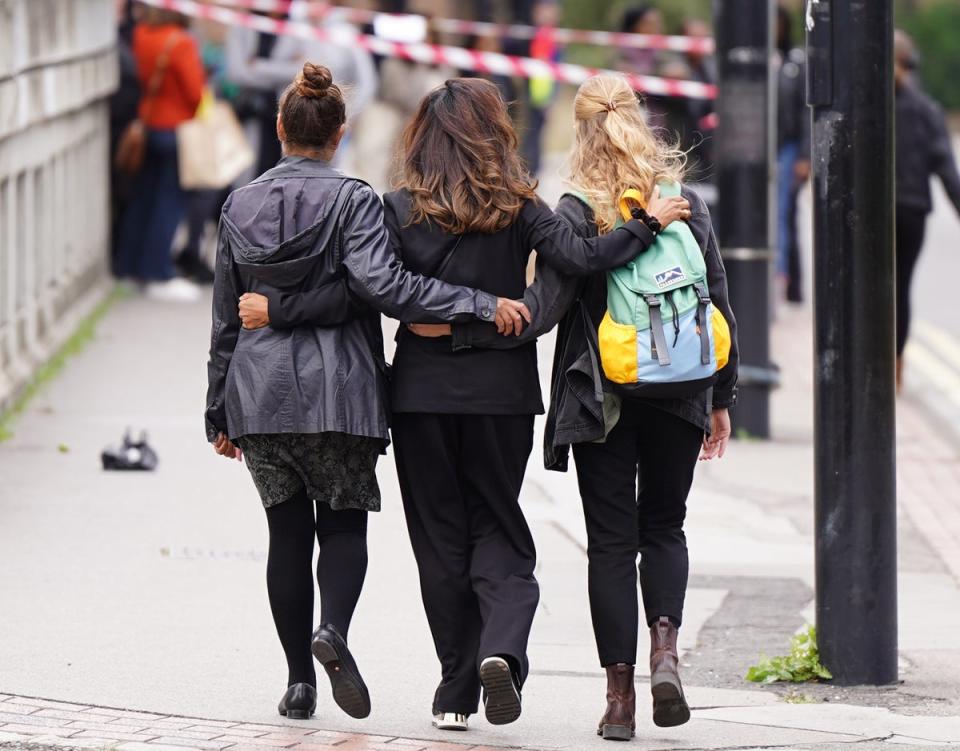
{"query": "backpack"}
[(661, 336)]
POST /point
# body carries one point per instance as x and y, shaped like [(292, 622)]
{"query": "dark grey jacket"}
[(578, 305), (793, 115), (923, 150), (305, 226)]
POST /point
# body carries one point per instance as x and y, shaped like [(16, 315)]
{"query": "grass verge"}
[(80, 338)]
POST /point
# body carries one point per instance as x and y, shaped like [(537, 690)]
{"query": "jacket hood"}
[(284, 214)]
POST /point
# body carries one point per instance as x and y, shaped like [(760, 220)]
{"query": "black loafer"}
[(299, 702), (349, 691)]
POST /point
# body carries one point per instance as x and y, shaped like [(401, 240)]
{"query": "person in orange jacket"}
[(172, 80)]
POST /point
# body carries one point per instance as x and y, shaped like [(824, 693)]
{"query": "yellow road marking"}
[(945, 345), (932, 367)]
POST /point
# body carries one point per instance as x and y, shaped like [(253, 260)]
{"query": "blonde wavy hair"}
[(614, 148)]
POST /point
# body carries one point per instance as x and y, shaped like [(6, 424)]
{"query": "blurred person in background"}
[(641, 19), (167, 55), (923, 149), (695, 129), (203, 206), (124, 104), (541, 92), (662, 111), (793, 152), (264, 64)]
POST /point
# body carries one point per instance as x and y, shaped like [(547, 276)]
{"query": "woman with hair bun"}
[(307, 404)]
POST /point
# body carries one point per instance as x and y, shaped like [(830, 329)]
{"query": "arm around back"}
[(569, 253), (377, 276), (548, 299), (331, 304)]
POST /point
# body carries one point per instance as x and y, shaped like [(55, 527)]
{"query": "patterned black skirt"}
[(337, 468)]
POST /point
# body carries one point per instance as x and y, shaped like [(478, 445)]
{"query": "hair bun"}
[(314, 81)]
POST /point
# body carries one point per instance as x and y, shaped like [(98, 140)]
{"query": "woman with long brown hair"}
[(466, 212)]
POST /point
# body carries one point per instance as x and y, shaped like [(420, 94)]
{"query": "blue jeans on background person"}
[(786, 204), (157, 205)]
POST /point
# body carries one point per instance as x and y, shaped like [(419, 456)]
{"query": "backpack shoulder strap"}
[(579, 196)]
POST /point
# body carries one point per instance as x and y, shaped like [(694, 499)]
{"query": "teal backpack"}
[(662, 337)]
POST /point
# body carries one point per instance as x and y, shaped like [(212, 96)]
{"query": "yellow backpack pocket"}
[(721, 338), (618, 350)]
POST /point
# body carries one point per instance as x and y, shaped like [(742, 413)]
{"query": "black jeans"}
[(911, 227), (460, 477), (660, 450)]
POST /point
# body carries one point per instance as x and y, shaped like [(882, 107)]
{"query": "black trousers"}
[(911, 227), (634, 489), (460, 477), (794, 265)]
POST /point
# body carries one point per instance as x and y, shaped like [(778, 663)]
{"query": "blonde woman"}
[(619, 440)]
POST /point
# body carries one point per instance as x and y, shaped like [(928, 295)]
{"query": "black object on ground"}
[(130, 455)]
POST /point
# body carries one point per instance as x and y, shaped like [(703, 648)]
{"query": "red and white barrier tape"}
[(700, 45), (431, 54)]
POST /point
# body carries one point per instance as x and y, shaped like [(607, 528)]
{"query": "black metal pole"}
[(744, 35), (851, 90)]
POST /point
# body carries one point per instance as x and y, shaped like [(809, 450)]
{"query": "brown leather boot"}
[(618, 722), (669, 705)]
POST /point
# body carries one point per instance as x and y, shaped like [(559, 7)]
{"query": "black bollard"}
[(850, 77), (744, 149)]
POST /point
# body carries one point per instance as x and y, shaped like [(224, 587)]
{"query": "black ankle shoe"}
[(299, 702), (501, 692), (349, 691)]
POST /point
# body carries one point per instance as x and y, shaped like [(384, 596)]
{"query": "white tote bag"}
[(212, 149)]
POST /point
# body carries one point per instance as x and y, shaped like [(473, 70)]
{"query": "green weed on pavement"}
[(801, 665)]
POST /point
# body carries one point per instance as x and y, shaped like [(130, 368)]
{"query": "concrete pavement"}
[(146, 592)]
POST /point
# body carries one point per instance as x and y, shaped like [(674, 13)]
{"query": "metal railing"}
[(57, 66)]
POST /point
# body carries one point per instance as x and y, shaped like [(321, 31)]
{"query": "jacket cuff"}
[(639, 230), (724, 398), (485, 307), (274, 310), (213, 432)]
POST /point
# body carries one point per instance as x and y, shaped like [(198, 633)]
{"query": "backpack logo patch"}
[(670, 276)]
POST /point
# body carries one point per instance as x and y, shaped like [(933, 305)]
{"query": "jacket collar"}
[(300, 166)]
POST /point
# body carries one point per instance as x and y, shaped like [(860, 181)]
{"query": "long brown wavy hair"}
[(459, 160)]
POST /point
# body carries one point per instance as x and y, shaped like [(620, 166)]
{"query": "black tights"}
[(341, 568)]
